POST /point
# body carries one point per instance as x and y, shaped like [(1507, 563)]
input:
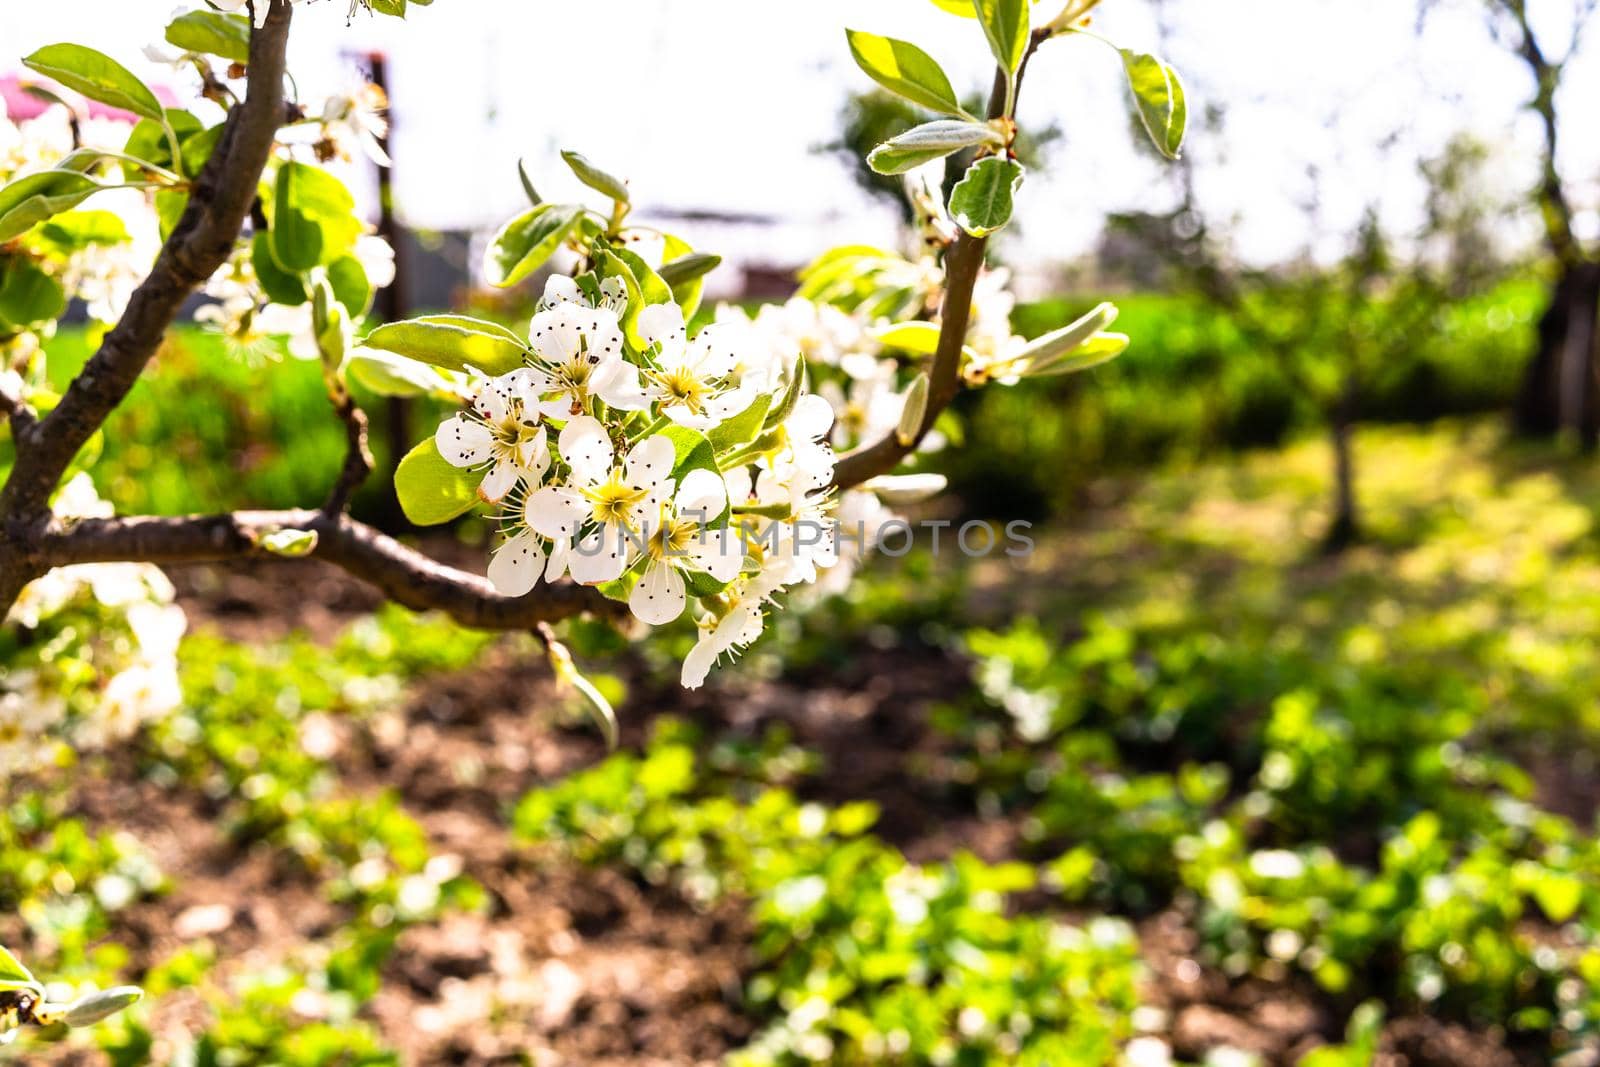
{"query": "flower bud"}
[(911, 416)]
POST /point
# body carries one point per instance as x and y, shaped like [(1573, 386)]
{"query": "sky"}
[(722, 104)]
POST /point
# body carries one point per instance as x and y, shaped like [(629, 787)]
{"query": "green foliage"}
[(97, 76), (313, 219), (861, 952), (982, 201), (1158, 96), (906, 70), (930, 141), (453, 342), (1006, 25), (432, 491), (212, 32), (523, 244)]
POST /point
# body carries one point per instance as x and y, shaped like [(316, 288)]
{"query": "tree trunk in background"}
[(391, 305), (1344, 529), (1561, 391)]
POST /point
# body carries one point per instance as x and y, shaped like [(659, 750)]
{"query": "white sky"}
[(719, 103)]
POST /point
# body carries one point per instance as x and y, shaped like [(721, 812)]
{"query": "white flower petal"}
[(498, 482), (533, 457), (555, 334), (603, 331), (463, 442), (702, 495), (811, 419), (555, 511), (599, 557), (586, 447), (649, 463), (719, 553), (659, 597), (617, 383), (517, 564), (560, 289), (663, 324)]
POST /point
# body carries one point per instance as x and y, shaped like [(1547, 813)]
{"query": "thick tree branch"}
[(403, 574), (199, 244), (962, 265)]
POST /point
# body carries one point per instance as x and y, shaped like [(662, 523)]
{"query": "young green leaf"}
[(688, 268), (918, 338), (1101, 348), (280, 286), (313, 218), (595, 178), (350, 285), (903, 68), (97, 76), (386, 374), (742, 428), (957, 7), (212, 33), (1006, 23), (524, 243), (431, 490), (982, 200), (74, 231), (930, 141), (36, 197), (534, 199), (13, 975), (913, 412), (28, 295), (454, 342), (1158, 94)]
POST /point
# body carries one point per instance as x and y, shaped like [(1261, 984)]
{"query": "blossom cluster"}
[(662, 467), (87, 654)]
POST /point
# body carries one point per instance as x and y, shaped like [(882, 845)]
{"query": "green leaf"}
[(534, 198), (395, 8), (693, 451), (13, 975), (291, 544), (28, 295), (684, 270), (387, 374), (313, 218), (170, 206), (36, 197), (97, 76), (1158, 95), (212, 33), (148, 141), (430, 489), (88, 1010), (1101, 348), (280, 285), (791, 393), (903, 68), (982, 200), (930, 141), (595, 178), (918, 338), (742, 428), (524, 243), (196, 149), (957, 7), (1006, 23), (1558, 895), (688, 268), (74, 231), (348, 278), (454, 342), (653, 289)]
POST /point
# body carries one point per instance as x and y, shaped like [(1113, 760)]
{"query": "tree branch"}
[(199, 244), (403, 574), (962, 264), (357, 456)]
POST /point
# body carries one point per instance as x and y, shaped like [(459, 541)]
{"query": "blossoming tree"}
[(639, 461)]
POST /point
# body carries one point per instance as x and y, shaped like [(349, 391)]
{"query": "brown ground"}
[(576, 966)]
